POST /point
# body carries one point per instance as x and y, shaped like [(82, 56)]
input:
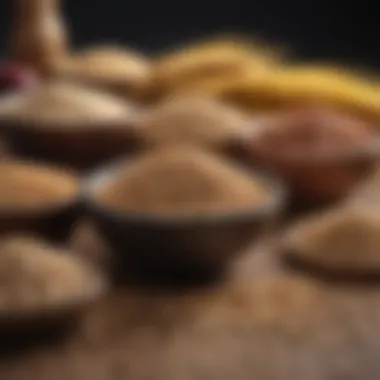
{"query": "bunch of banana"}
[(295, 85), (298, 85), (255, 77)]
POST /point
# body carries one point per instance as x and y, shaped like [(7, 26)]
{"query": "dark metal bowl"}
[(178, 244), (53, 222), (80, 147)]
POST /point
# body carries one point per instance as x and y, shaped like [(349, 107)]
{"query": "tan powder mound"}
[(61, 103), (35, 275), (192, 120), (182, 179), (25, 184), (342, 239), (107, 65)]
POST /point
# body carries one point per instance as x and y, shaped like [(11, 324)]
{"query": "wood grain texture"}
[(262, 322)]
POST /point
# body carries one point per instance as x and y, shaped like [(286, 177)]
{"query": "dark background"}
[(343, 30)]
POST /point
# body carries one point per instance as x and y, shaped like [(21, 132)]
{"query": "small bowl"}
[(52, 221), (326, 177), (81, 147), (175, 246)]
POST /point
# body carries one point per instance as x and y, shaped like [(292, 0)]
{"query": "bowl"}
[(78, 146), (324, 177), (177, 246), (51, 220), (68, 124), (319, 152)]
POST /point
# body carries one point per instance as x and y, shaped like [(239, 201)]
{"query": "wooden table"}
[(262, 322)]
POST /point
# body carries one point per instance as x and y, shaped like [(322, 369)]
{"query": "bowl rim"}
[(125, 121), (61, 128), (278, 194)]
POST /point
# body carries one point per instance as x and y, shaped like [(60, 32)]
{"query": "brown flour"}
[(25, 184), (60, 103), (196, 121), (36, 275), (308, 132), (182, 179), (342, 239)]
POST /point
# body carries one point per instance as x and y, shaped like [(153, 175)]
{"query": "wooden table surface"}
[(262, 322)]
